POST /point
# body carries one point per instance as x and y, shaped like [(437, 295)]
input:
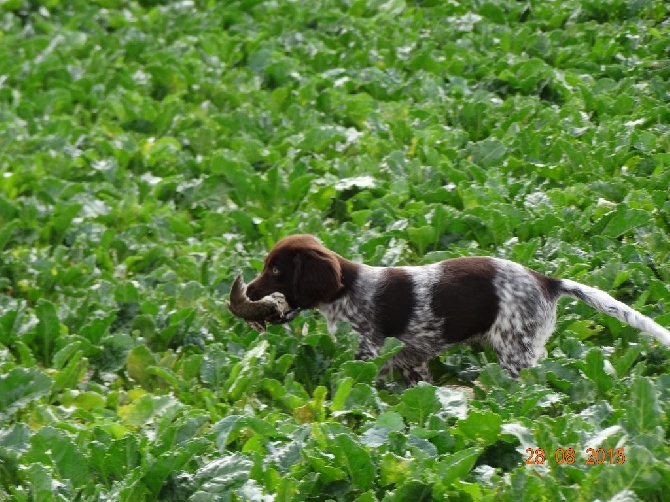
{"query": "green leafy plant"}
[(149, 151)]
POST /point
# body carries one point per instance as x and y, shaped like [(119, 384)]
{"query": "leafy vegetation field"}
[(151, 150)]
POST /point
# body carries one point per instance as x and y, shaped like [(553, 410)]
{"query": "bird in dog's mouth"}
[(273, 308)]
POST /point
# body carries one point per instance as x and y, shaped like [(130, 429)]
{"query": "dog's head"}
[(302, 269)]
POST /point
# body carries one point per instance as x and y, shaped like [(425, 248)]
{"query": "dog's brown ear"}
[(318, 277)]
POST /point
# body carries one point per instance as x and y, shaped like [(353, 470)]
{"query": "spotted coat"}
[(433, 307)]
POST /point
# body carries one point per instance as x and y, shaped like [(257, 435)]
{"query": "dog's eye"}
[(275, 270)]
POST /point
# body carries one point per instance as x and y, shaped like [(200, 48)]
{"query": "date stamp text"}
[(592, 456)]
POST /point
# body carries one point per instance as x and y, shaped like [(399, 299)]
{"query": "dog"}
[(432, 307)]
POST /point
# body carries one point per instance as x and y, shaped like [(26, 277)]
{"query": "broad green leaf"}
[(487, 153), (483, 425), (594, 368), (6, 233), (140, 359), (638, 476), (114, 458), (214, 366), (217, 477), (299, 188), (522, 433), (391, 420), (360, 371), (524, 481), (390, 348), (322, 463), (21, 386), (7, 322), (171, 461), (394, 469), (454, 402), (456, 466), (41, 481), (145, 409), (412, 490), (115, 348), (55, 447), (15, 437), (168, 376), (245, 374), (48, 329), (422, 237), (97, 328), (417, 403), (355, 460), (343, 390), (623, 220), (90, 401), (377, 435), (73, 372), (643, 413), (230, 425)]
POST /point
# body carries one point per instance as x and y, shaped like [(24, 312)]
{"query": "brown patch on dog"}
[(465, 297), (550, 285), (394, 302)]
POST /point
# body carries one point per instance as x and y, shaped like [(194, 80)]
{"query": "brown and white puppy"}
[(432, 307)]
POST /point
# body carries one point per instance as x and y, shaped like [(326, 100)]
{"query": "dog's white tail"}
[(604, 303)]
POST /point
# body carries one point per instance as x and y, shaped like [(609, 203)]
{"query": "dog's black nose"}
[(253, 292)]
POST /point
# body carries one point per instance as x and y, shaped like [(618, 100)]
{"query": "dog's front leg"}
[(412, 369), (367, 348), (412, 366)]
